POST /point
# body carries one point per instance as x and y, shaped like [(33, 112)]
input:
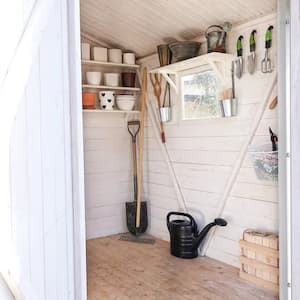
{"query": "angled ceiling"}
[(140, 25)]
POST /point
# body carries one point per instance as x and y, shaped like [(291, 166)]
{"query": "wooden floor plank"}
[(119, 270)]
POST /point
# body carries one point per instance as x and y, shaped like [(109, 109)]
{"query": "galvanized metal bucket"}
[(165, 114), (164, 54), (216, 39), (228, 107)]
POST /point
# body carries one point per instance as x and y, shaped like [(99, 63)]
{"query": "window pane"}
[(200, 96)]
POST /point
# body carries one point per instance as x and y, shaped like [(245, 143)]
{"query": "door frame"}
[(283, 47), (286, 176), (77, 158)]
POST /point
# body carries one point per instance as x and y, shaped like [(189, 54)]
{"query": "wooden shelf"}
[(111, 111), (108, 64), (194, 62), (105, 87), (217, 61)]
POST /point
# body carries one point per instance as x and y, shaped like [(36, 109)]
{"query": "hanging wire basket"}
[(265, 162)]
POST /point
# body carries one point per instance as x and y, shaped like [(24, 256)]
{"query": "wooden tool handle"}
[(134, 165), (162, 130), (134, 159), (274, 102), (141, 150), (163, 137)]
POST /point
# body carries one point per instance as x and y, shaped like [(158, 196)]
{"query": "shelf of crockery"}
[(105, 87), (108, 64), (97, 110)]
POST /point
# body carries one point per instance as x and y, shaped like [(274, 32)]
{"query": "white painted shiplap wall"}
[(108, 173), (203, 154), (37, 244)]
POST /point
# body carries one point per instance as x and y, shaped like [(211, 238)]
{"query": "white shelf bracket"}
[(216, 68), (170, 81)]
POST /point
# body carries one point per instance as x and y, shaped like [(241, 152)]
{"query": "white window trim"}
[(179, 97)]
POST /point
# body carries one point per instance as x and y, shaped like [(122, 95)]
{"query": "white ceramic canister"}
[(99, 54), (107, 100), (85, 51), (129, 58), (93, 78), (115, 56), (112, 79)]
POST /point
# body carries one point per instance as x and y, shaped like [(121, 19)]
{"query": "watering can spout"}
[(200, 237)]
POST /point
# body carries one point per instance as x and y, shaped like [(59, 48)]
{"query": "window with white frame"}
[(199, 94)]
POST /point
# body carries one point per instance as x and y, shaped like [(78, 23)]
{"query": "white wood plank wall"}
[(40, 266), (108, 173), (203, 153)]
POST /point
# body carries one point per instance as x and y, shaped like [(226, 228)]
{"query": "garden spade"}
[(251, 57), (239, 60)]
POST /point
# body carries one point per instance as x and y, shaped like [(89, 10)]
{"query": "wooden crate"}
[(260, 259), (269, 240)]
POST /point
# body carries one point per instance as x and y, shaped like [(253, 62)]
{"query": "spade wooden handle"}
[(141, 151)]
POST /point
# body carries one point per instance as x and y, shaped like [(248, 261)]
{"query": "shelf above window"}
[(105, 87), (217, 61)]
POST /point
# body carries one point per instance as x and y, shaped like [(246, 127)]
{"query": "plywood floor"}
[(119, 270)]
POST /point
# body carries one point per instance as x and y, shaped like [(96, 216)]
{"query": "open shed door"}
[(36, 191)]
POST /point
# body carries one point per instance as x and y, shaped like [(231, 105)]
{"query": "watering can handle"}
[(213, 26), (192, 220)]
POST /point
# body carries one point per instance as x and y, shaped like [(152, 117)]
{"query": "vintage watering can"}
[(184, 236)]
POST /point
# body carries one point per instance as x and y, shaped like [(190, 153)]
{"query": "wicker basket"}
[(265, 162)]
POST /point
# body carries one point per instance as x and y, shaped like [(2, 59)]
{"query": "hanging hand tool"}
[(266, 66), (156, 83), (251, 57), (274, 139), (239, 60), (232, 80)]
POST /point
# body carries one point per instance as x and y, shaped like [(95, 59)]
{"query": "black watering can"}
[(184, 236)]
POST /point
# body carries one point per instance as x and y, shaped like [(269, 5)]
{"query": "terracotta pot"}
[(89, 100), (128, 79)]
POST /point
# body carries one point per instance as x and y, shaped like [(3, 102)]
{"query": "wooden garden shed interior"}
[(217, 146), (204, 168)]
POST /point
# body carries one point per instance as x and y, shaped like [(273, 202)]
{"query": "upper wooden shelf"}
[(108, 64), (205, 59)]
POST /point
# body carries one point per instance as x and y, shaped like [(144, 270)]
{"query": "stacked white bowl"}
[(126, 102)]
